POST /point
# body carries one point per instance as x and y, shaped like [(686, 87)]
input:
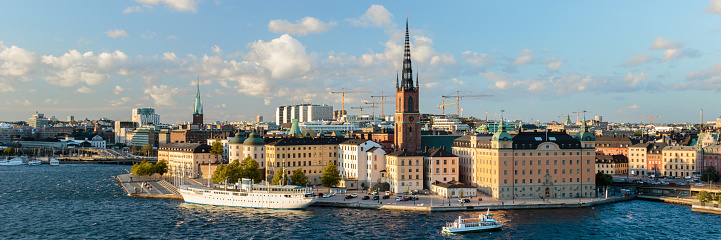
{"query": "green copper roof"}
[(501, 134), (238, 139), (254, 139), (198, 109), (295, 129), (584, 135)]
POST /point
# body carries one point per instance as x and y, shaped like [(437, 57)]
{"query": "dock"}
[(143, 186)]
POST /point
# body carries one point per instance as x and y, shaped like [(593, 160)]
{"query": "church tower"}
[(198, 109), (407, 127)]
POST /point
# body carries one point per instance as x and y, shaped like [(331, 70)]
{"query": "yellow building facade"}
[(310, 154)]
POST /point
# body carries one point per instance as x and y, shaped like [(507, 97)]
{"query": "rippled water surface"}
[(86, 202)]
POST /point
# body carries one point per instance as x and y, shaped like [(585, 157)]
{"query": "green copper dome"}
[(254, 139), (501, 134), (238, 139)]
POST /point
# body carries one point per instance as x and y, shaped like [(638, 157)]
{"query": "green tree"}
[(143, 168), (161, 167), (249, 169), (709, 174), (232, 171), (8, 151), (219, 174), (217, 148), (330, 176), (703, 196), (638, 133), (280, 177), (603, 179), (298, 177), (146, 149)]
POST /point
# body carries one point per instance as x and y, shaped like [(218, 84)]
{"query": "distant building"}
[(711, 158), (612, 164), (440, 166), (259, 118), (38, 120), (71, 118), (122, 128), (680, 161), (186, 159), (303, 112), (145, 116)]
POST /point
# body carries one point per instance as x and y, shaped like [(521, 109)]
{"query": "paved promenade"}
[(429, 203), (142, 186)]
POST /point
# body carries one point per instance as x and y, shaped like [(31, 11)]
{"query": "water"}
[(86, 202)]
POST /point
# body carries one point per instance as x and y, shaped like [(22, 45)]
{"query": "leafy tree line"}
[(709, 174), (145, 168), (705, 197), (236, 170)]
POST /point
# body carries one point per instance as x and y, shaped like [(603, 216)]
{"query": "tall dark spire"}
[(407, 75)]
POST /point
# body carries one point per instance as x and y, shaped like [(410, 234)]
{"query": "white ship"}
[(54, 162), (246, 194), (484, 222), (11, 162)]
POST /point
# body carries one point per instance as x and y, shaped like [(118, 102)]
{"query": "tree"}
[(279, 177), (709, 174), (219, 174), (703, 196), (232, 171), (330, 177), (161, 167), (603, 179), (249, 169), (8, 151), (298, 177), (217, 148), (146, 149), (638, 133)]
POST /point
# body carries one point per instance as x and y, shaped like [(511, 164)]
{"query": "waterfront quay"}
[(142, 186)]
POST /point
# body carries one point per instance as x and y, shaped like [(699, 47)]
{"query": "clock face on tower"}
[(410, 119)]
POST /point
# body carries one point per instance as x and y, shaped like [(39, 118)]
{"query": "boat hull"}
[(472, 229), (250, 200)]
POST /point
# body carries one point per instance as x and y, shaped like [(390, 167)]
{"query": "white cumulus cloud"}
[(132, 9), (662, 43), (163, 95), (632, 80), (116, 33), (524, 58), (284, 57), (375, 16), (299, 28), (85, 90), (714, 7), (74, 67)]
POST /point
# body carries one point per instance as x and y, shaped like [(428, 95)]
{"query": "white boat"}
[(484, 222), (54, 162), (34, 162), (11, 162), (246, 194)]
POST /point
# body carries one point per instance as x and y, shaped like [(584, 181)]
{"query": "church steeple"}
[(407, 75), (198, 104)]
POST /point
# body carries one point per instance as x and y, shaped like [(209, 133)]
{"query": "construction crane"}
[(383, 102), (444, 104), (458, 97), (578, 115), (374, 105), (362, 107), (342, 97), (563, 120), (651, 117)]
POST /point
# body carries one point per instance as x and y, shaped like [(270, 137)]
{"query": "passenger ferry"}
[(246, 194), (484, 222)]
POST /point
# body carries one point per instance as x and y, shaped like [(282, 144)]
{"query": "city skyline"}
[(101, 59)]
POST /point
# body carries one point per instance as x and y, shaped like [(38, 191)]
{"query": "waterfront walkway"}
[(427, 203), (143, 186)]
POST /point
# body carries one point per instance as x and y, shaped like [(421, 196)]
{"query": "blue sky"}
[(540, 59)]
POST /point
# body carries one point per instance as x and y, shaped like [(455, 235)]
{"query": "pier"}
[(142, 186)]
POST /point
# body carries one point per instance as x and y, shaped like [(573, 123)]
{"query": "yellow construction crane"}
[(563, 120), (651, 117), (578, 115), (342, 96), (383, 102), (362, 107), (458, 97), (374, 105), (444, 104)]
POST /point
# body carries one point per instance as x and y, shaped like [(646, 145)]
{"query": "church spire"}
[(198, 109), (407, 75)]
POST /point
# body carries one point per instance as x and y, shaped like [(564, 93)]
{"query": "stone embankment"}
[(696, 206), (140, 186)]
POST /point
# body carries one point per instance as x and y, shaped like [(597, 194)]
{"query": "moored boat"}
[(246, 194), (54, 162), (34, 162), (11, 162), (484, 222)]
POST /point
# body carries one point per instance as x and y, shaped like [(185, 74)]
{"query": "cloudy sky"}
[(540, 59)]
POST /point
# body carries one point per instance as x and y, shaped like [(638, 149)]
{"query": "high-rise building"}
[(71, 118), (38, 120), (145, 116), (259, 118), (303, 112)]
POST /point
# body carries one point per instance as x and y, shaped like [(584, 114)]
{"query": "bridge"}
[(104, 156)]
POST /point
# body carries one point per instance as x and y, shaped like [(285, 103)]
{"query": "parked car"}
[(348, 196), (375, 198), (683, 194), (327, 195), (398, 199), (386, 196), (354, 195), (366, 197)]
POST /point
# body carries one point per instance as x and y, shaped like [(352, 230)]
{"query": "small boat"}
[(11, 162), (54, 162), (34, 162), (484, 222)]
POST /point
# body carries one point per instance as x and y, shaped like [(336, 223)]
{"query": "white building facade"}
[(303, 112), (145, 116), (352, 159)]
